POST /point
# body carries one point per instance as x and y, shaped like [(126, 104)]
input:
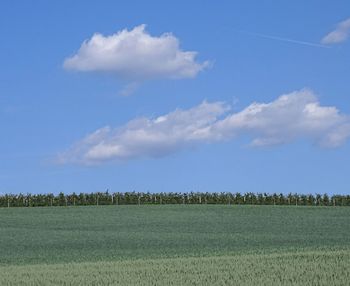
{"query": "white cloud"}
[(135, 55), (147, 137), (291, 116), (339, 35), (288, 118)]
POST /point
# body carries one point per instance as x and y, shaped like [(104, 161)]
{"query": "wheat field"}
[(175, 245)]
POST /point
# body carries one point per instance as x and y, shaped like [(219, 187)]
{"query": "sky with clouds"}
[(243, 96)]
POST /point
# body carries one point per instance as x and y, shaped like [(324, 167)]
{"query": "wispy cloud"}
[(339, 35), (287, 40), (288, 118), (129, 89)]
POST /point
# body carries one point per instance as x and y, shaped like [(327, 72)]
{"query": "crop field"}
[(175, 245)]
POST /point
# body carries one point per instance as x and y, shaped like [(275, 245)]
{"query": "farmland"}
[(175, 245)]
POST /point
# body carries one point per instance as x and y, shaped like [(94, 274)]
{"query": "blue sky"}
[(49, 107)]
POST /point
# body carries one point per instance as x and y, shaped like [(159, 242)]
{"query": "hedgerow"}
[(133, 198)]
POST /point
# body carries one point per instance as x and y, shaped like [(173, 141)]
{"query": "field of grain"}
[(175, 245)]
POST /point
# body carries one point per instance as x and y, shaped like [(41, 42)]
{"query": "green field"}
[(175, 245)]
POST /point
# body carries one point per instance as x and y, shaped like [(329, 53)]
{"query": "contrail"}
[(285, 40)]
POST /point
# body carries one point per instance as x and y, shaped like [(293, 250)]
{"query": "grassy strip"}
[(293, 268)]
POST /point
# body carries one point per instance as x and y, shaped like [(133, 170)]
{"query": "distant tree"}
[(325, 200)]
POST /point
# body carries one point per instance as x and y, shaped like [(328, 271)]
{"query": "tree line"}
[(136, 198)]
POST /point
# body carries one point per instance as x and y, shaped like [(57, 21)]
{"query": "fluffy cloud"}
[(147, 137), (135, 55), (339, 35), (291, 116), (288, 118)]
